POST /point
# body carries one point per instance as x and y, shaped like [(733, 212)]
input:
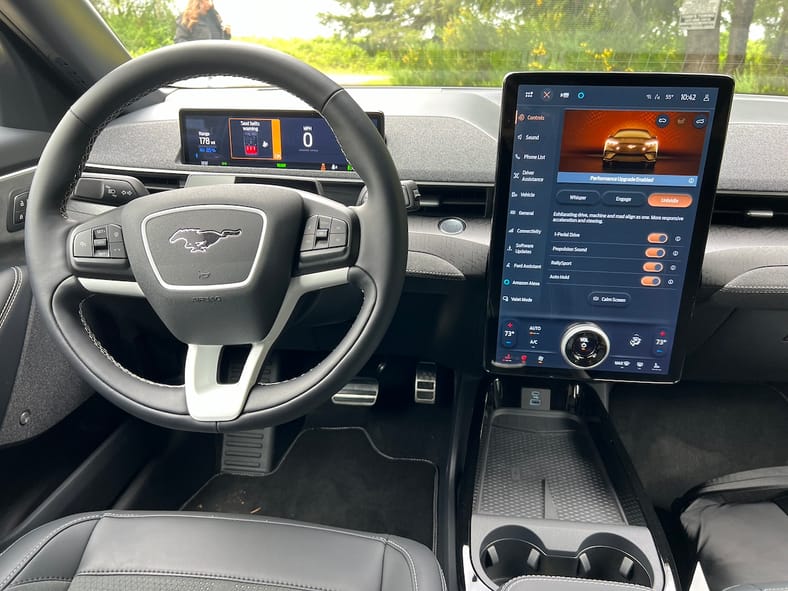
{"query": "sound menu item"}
[(299, 140), (604, 194)]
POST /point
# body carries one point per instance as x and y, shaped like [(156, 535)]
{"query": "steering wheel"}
[(220, 265)]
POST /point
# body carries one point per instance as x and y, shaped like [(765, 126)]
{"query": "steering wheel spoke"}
[(97, 256), (209, 400)]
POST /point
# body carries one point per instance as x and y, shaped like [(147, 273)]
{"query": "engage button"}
[(678, 200), (625, 198), (609, 298), (580, 197)]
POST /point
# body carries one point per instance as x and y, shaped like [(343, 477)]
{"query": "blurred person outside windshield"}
[(199, 21)]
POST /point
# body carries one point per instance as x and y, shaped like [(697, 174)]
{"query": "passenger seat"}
[(739, 526)]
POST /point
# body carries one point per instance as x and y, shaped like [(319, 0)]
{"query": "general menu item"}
[(301, 140), (604, 192)]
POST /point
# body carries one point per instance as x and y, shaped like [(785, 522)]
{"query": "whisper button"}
[(609, 298), (577, 197)]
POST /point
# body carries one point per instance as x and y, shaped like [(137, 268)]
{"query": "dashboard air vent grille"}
[(461, 200), (751, 209)]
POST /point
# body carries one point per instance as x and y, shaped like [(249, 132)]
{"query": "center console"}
[(604, 192)]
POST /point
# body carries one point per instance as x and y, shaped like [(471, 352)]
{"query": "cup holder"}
[(514, 551)]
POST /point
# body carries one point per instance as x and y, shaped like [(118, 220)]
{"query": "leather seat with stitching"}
[(209, 552)]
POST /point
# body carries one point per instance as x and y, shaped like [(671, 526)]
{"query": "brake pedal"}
[(358, 392)]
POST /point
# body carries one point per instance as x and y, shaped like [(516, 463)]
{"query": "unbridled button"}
[(677, 200), (608, 298)]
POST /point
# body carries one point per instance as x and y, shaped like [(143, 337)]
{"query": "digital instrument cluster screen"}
[(604, 192), (299, 140)]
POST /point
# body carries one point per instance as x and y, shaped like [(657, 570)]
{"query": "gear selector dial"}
[(585, 345)]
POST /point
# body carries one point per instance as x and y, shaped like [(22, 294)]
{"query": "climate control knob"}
[(585, 345)]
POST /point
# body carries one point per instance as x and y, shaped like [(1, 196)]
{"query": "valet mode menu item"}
[(604, 192)]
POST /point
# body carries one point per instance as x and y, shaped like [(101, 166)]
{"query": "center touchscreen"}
[(604, 193)]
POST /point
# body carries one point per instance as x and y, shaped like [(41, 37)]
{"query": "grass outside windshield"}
[(462, 43)]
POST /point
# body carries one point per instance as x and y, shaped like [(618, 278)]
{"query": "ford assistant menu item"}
[(299, 140), (603, 199)]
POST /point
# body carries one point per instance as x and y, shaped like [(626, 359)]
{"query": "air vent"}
[(751, 209), (459, 200), (156, 183)]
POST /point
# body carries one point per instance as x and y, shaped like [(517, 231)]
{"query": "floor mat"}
[(334, 477), (680, 436)]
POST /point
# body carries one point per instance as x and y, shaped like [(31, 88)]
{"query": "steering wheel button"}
[(324, 222), (100, 243), (321, 244), (101, 254), (335, 240), (338, 226), (307, 242), (321, 234), (117, 250), (100, 232), (311, 225), (83, 244), (115, 233)]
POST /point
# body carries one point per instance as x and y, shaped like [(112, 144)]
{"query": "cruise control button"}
[(321, 234), (99, 243), (311, 225), (324, 222), (115, 233), (338, 226), (117, 250), (100, 232), (83, 244), (307, 242), (102, 254), (335, 240)]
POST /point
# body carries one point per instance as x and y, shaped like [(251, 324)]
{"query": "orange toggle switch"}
[(649, 281), (655, 253), (657, 238), (652, 267)]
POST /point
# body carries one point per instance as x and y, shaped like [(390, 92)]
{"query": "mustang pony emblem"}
[(196, 240)]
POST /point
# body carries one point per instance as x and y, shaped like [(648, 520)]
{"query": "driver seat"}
[(121, 551)]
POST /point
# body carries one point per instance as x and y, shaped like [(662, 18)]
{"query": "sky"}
[(274, 18)]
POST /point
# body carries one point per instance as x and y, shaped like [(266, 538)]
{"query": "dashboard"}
[(446, 141)]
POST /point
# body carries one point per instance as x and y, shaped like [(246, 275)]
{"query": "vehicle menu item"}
[(300, 140), (595, 261)]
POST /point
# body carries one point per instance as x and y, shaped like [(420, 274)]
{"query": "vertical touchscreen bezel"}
[(707, 190)]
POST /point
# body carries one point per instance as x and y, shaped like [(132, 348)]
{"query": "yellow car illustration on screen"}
[(630, 146)]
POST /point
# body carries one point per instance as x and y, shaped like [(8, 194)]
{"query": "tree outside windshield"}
[(475, 43)]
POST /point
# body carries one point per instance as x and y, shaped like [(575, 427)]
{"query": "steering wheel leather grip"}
[(376, 265)]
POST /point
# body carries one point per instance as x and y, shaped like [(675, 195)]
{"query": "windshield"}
[(475, 43)]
